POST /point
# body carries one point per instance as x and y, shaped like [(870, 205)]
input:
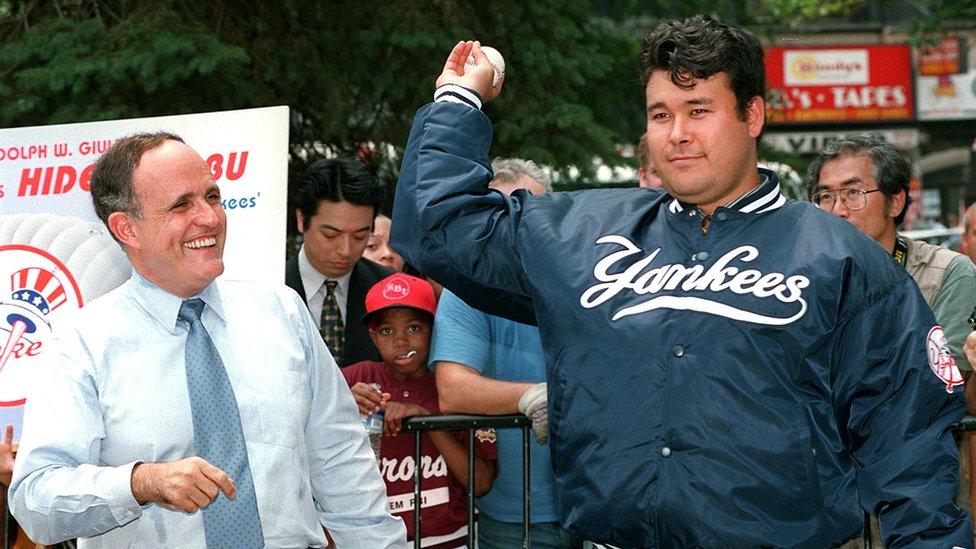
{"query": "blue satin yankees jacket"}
[(748, 386)]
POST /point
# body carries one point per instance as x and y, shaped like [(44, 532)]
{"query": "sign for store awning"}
[(946, 81), (811, 142), (948, 56), (839, 84)]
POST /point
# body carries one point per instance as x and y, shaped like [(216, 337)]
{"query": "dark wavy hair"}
[(698, 47)]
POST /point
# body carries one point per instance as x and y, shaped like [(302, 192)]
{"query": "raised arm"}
[(447, 223)]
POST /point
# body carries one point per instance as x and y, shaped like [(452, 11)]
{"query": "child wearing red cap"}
[(400, 314)]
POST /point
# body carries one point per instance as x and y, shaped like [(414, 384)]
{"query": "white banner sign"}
[(55, 255), (951, 99), (48, 168)]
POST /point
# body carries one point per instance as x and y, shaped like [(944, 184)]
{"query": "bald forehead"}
[(172, 156), (169, 167)]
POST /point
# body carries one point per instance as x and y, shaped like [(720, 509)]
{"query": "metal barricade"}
[(458, 422)]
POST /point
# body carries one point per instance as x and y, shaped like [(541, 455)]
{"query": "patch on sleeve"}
[(486, 435), (940, 359)]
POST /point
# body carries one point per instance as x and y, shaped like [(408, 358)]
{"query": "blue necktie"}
[(218, 438)]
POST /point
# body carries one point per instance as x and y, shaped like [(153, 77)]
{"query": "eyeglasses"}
[(852, 199)]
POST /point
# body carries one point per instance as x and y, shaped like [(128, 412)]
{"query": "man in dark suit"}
[(337, 202)]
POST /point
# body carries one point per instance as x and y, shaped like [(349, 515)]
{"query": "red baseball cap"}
[(400, 290)]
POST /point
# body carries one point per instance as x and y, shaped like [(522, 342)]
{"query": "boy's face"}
[(398, 332)]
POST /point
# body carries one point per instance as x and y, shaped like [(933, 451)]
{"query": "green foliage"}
[(940, 14), (558, 70), (352, 72), (794, 13), (68, 69)]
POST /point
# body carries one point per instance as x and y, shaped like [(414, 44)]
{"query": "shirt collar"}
[(312, 280), (164, 306), (762, 198)]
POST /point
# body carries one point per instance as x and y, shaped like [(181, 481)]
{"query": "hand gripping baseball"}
[(535, 405), (478, 74)]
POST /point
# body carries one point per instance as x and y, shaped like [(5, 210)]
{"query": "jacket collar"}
[(762, 198)]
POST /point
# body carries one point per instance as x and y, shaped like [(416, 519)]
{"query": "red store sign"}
[(839, 84)]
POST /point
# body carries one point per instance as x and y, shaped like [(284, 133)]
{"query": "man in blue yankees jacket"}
[(726, 367)]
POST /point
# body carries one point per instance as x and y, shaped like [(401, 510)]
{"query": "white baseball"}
[(497, 63)]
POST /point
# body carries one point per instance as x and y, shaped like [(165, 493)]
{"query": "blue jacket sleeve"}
[(897, 414), (448, 224)]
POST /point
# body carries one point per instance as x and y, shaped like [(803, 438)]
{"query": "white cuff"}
[(123, 504), (453, 93)]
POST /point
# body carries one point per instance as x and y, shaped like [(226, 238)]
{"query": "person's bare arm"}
[(462, 389), (456, 456), (7, 456)]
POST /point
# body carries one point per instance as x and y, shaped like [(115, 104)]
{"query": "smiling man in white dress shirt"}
[(112, 436)]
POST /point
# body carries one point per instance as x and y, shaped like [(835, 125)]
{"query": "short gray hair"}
[(509, 170), (891, 169)]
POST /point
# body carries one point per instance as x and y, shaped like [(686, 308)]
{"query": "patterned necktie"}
[(219, 438), (333, 332)]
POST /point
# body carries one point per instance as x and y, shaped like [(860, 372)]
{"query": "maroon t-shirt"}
[(445, 507)]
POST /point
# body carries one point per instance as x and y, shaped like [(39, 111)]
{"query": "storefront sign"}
[(839, 84)]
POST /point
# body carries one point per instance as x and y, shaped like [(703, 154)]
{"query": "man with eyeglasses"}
[(864, 180)]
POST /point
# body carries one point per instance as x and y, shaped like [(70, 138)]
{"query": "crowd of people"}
[(705, 362)]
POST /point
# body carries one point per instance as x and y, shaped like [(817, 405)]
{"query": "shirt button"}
[(665, 452), (700, 256), (406, 394), (722, 216), (678, 351)]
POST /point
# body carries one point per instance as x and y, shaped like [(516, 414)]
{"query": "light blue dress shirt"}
[(118, 396)]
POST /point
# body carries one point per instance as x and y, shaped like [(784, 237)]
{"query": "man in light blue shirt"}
[(109, 449), (484, 365)]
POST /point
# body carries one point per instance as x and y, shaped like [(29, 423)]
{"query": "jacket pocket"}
[(809, 456)]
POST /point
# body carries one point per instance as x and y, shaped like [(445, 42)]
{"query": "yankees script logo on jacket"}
[(642, 280), (743, 386)]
